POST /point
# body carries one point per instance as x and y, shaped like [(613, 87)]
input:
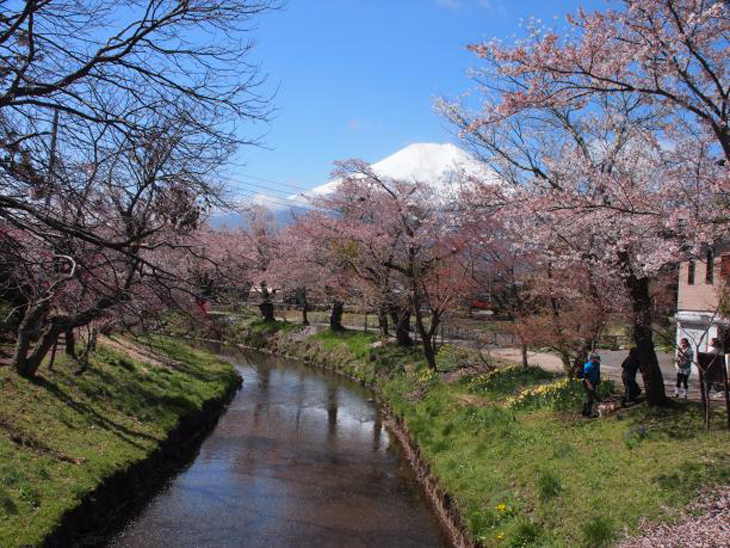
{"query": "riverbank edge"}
[(122, 493), (440, 500)]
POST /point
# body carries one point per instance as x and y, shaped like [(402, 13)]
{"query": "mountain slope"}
[(440, 165)]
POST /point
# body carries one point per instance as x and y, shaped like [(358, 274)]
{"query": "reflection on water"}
[(300, 458)]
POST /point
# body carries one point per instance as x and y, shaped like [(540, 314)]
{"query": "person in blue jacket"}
[(591, 380)]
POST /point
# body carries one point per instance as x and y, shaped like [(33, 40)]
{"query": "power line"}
[(264, 180), (279, 184), (265, 187), (283, 199)]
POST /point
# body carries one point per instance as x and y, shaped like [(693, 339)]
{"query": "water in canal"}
[(300, 458)]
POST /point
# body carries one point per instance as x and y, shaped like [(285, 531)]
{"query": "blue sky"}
[(358, 78)]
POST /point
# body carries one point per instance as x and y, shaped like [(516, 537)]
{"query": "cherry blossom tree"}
[(145, 198), (609, 142), (399, 239), (593, 180), (302, 266), (563, 309), (260, 245), (115, 120), (329, 272), (673, 53)]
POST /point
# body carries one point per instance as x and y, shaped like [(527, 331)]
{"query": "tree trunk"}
[(90, 347), (266, 307), (565, 359), (523, 351), (53, 356), (644, 339), (383, 322), (26, 365), (70, 343), (267, 311), (305, 309), (581, 358), (402, 319), (338, 309), (32, 362), (28, 331), (429, 351)]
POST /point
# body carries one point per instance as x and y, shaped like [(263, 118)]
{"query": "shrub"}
[(635, 435), (30, 494), (597, 533), (508, 379), (526, 534), (562, 395), (548, 485), (452, 356), (7, 504), (428, 378)]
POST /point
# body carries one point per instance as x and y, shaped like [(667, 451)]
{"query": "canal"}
[(300, 458)]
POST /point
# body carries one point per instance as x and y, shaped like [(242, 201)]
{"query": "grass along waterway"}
[(300, 458)]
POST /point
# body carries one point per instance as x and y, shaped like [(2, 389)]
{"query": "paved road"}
[(610, 363), (610, 366)]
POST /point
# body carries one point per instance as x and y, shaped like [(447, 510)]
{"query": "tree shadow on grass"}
[(679, 420), (159, 352), (126, 434), (693, 475)]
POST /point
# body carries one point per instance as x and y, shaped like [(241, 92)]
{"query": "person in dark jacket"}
[(591, 380), (629, 368)]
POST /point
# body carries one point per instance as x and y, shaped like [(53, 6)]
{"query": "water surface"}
[(300, 458)]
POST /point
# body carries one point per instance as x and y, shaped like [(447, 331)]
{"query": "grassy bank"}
[(510, 447), (62, 434)]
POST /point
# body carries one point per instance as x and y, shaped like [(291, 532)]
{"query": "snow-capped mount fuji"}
[(442, 166)]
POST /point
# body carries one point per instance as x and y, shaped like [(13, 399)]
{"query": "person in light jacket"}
[(683, 365)]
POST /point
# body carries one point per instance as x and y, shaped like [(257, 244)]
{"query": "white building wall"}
[(699, 328)]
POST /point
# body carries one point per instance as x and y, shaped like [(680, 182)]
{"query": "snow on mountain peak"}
[(438, 165), (429, 163), (434, 164)]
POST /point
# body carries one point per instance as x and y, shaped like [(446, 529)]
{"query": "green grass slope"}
[(62, 434)]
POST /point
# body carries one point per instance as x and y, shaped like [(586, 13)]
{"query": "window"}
[(710, 269), (691, 273)]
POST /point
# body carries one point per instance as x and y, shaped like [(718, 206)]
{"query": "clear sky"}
[(358, 78)]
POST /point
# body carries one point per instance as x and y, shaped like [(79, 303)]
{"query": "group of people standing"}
[(591, 374)]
